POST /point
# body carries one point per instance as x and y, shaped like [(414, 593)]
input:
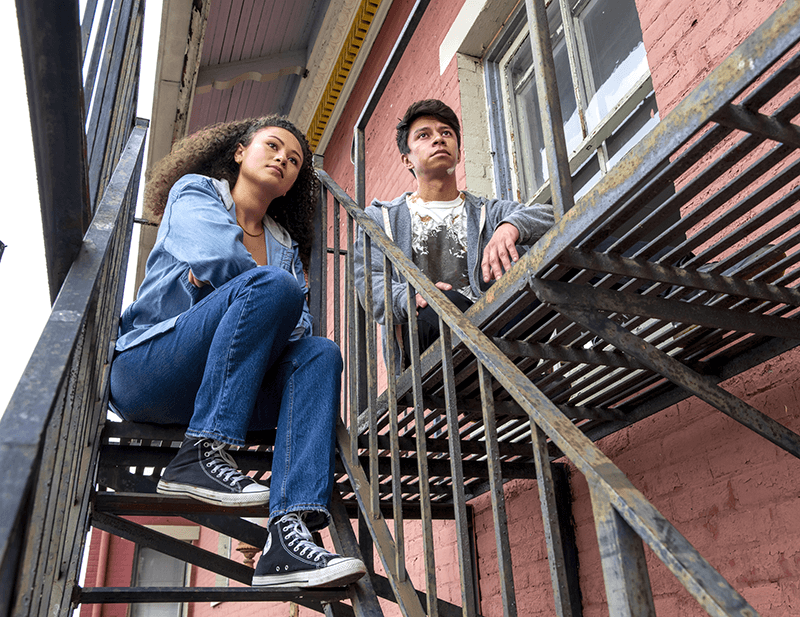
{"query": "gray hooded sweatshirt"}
[(483, 217)]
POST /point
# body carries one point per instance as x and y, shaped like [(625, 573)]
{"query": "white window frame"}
[(489, 159), (141, 609), (187, 533)]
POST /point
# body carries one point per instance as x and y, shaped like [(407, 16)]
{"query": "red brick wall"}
[(685, 40)]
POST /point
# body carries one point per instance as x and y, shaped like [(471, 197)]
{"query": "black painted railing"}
[(89, 147)]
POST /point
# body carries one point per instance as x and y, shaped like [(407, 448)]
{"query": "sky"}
[(24, 295)]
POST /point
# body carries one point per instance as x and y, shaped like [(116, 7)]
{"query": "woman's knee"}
[(276, 285), (322, 353)]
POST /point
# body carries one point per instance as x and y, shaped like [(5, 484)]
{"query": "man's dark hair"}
[(428, 107)]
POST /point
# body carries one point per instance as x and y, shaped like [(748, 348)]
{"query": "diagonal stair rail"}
[(626, 519)]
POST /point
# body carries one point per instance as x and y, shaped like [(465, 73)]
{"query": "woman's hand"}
[(195, 281)]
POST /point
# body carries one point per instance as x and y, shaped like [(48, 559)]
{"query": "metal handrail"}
[(609, 484), (49, 434)]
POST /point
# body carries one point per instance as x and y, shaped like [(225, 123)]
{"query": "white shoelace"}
[(223, 465), (300, 540)]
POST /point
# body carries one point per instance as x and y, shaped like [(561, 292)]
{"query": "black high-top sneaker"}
[(203, 470), (291, 559)]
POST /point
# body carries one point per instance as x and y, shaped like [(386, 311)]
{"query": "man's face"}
[(433, 148)]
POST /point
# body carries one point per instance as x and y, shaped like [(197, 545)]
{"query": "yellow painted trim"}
[(350, 47)]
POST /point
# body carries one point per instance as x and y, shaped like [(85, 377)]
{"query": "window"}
[(604, 87), (154, 569)]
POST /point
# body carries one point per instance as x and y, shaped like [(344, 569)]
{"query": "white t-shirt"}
[(439, 240)]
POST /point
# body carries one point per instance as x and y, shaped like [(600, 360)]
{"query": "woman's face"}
[(271, 160)]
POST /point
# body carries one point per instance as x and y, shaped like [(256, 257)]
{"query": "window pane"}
[(154, 569), (529, 139), (586, 177), (616, 54), (529, 136), (641, 121)]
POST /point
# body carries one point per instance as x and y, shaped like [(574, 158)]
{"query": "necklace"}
[(248, 233)]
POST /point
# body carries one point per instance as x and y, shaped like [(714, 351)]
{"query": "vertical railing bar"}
[(627, 581), (121, 110), (101, 28), (362, 594), (317, 264), (359, 333), (337, 276), (551, 523), (103, 105), (505, 571), (394, 440), (132, 75), (122, 116), (550, 108), (360, 199), (86, 24), (422, 456), (459, 502), (358, 162), (101, 167), (102, 77), (372, 378), (352, 345), (323, 288)]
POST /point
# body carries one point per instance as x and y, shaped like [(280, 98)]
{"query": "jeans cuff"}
[(231, 441), (314, 517)]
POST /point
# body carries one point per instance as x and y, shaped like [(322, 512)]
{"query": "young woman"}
[(219, 337)]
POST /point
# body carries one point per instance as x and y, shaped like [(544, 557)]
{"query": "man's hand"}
[(195, 281), (500, 253), (422, 303)]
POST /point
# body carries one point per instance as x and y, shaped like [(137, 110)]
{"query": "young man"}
[(462, 242)]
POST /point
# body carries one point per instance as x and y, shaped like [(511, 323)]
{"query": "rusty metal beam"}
[(702, 387), (567, 294), (627, 581)]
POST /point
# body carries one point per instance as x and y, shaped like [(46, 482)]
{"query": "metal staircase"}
[(611, 336)]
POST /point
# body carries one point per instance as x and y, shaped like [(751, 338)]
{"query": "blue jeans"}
[(228, 366)]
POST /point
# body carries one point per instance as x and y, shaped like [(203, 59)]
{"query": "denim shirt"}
[(199, 232)]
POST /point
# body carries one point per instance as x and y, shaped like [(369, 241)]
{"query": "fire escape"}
[(618, 326)]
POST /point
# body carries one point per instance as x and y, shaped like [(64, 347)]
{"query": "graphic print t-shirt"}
[(439, 240)]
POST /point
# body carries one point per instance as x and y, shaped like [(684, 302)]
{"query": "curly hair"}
[(210, 152)]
